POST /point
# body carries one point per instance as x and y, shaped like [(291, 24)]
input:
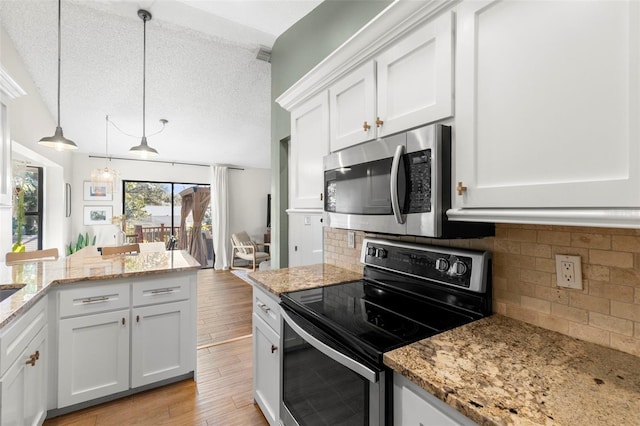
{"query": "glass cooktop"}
[(372, 318)]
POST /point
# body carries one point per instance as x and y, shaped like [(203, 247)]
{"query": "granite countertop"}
[(39, 276), (280, 281), (500, 371)]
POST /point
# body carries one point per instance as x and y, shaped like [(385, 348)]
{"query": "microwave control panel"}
[(419, 174)]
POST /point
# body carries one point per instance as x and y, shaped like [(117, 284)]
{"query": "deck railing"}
[(146, 234)]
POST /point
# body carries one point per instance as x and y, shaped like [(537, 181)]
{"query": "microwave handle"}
[(395, 165)]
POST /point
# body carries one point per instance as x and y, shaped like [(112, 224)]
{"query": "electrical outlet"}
[(351, 239), (569, 271)]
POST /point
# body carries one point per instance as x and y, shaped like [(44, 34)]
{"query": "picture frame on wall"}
[(98, 215), (97, 191)]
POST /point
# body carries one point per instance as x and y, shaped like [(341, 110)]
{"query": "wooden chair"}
[(245, 249), (37, 255), (127, 248)]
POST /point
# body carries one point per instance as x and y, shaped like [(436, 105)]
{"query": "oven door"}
[(323, 383)]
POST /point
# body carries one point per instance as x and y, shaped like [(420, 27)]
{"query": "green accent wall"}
[(295, 53)]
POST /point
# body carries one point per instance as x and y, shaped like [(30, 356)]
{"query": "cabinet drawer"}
[(151, 292), (91, 300), (266, 307), (17, 336)]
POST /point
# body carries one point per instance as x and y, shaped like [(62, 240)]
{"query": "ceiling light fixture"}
[(144, 150), (58, 141), (106, 177)]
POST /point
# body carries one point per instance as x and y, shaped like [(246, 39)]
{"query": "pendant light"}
[(105, 176), (58, 141), (144, 150)]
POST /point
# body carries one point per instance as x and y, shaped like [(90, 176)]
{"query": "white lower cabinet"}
[(413, 406), (23, 373), (266, 355), (23, 386), (122, 335), (159, 342), (93, 359)]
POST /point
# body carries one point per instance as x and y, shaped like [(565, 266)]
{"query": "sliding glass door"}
[(153, 212)]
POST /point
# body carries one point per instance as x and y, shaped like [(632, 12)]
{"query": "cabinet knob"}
[(460, 188), (379, 122), (366, 126), (273, 348)]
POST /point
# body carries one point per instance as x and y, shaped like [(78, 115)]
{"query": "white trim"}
[(609, 218), (396, 20), (9, 86), (304, 211)]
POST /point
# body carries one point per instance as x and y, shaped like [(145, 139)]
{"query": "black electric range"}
[(408, 292)]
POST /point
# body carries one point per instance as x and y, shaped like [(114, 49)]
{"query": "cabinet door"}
[(93, 356), (415, 77), (266, 369), (352, 108), (309, 144), (24, 385), (305, 239), (547, 104), (415, 406), (160, 336)]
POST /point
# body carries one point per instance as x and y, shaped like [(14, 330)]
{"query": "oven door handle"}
[(393, 182), (335, 355)]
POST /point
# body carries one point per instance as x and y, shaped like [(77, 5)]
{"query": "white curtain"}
[(220, 215)]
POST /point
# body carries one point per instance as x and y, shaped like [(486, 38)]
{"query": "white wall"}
[(30, 120), (248, 191)]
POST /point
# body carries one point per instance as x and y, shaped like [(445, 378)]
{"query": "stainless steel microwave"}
[(400, 185)]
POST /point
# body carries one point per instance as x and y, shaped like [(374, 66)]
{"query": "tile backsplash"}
[(606, 311)]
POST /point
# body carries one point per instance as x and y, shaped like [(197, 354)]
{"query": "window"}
[(27, 212), (153, 212)]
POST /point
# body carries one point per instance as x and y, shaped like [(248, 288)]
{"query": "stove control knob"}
[(381, 253), (442, 264), (371, 251), (459, 268)]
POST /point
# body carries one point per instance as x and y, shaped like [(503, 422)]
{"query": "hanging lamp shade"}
[(58, 141), (105, 176), (144, 150)]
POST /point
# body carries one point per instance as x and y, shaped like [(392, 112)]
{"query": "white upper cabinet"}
[(415, 78), (309, 144), (548, 105), (407, 84), (352, 103)]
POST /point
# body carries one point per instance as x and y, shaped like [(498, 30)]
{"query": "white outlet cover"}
[(572, 280)]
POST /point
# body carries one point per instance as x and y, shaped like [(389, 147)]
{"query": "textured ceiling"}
[(202, 72)]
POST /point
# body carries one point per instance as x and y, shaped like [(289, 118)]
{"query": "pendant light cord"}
[(59, 48), (144, 76)]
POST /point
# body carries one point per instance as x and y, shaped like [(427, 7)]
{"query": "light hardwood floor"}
[(223, 394)]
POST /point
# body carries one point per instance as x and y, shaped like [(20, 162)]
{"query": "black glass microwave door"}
[(318, 390), (361, 189)]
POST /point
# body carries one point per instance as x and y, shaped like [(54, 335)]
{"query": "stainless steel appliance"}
[(334, 337), (397, 185)]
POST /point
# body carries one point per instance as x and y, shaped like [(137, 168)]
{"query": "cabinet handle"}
[(321, 196), (137, 318), (33, 358), (123, 321), (162, 291), (379, 122), (460, 188), (366, 126), (264, 307), (95, 299), (273, 348)]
